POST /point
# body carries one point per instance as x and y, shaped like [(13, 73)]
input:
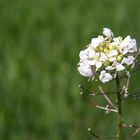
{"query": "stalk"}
[(119, 114)]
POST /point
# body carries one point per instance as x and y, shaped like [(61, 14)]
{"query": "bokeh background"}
[(40, 42)]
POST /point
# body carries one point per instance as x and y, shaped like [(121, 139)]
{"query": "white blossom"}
[(110, 68), (85, 70), (98, 64), (133, 46), (95, 63), (107, 32), (115, 65), (91, 54), (112, 59), (129, 60), (117, 40), (103, 57), (113, 53), (92, 62), (84, 54), (97, 41), (119, 67), (128, 45), (105, 77), (107, 56)]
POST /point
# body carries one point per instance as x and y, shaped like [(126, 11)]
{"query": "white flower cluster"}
[(106, 55)]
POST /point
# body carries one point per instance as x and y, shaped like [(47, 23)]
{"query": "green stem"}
[(119, 100)]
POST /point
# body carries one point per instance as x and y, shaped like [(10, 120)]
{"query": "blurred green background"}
[(40, 42)]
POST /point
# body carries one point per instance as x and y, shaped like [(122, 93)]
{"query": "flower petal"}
[(113, 53), (109, 68), (105, 77), (107, 32), (129, 60), (119, 67), (98, 64), (96, 41), (85, 70)]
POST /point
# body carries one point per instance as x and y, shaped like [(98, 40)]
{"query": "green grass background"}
[(40, 42)]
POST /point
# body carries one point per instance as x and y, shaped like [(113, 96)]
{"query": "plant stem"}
[(119, 100)]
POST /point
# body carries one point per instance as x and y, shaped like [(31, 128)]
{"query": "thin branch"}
[(137, 127), (107, 98), (132, 95), (127, 83), (93, 92), (135, 95), (130, 126), (136, 132), (100, 137), (100, 107), (107, 93), (106, 109), (93, 134)]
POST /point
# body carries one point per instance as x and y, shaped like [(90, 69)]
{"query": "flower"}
[(105, 77), (106, 56), (107, 32), (133, 46), (115, 66), (129, 60), (95, 42), (85, 70), (128, 45), (118, 66)]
